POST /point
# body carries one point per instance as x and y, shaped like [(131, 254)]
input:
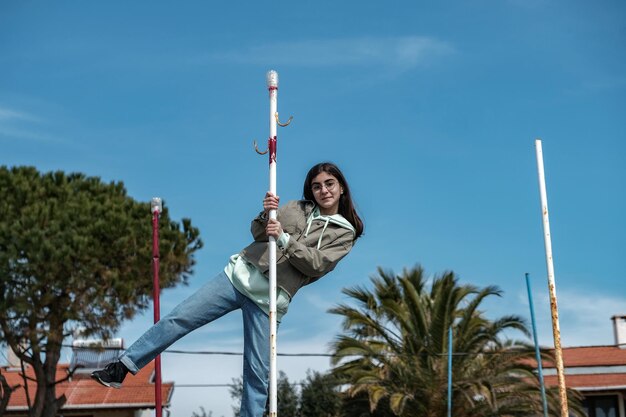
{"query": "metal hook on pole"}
[(256, 148), (272, 83), (282, 124)]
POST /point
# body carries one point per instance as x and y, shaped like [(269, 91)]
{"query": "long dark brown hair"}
[(346, 206)]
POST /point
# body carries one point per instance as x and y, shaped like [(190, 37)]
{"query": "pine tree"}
[(76, 252)]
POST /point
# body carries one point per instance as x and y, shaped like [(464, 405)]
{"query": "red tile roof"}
[(608, 381), (592, 356), (603, 358), (83, 392)]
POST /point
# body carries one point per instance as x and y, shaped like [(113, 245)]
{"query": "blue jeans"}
[(216, 298)]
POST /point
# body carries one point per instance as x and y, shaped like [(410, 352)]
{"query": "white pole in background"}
[(551, 284), (272, 85)]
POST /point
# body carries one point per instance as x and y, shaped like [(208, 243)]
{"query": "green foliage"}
[(395, 349), (76, 252), (319, 396), (236, 393), (286, 395), (358, 405), (202, 413)]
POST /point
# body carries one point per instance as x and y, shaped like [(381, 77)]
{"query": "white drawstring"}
[(319, 242), (308, 223)]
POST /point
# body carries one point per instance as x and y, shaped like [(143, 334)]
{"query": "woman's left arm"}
[(314, 262)]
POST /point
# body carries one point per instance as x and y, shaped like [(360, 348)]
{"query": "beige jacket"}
[(306, 258)]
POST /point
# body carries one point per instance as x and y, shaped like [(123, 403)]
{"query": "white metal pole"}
[(272, 85), (551, 284)]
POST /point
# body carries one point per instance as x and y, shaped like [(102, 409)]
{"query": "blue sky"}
[(430, 109)]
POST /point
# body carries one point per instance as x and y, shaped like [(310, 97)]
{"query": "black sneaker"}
[(112, 375)]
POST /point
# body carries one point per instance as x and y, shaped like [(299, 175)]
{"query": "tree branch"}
[(5, 393)]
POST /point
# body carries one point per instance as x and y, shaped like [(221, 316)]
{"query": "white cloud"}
[(7, 115), (18, 133), (16, 124), (584, 318), (318, 301), (606, 83), (401, 53)]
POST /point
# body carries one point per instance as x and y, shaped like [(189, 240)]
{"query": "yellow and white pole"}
[(556, 332)]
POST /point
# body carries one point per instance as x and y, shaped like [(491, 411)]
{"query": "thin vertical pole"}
[(272, 85), (156, 207), (551, 284), (450, 372), (537, 354)]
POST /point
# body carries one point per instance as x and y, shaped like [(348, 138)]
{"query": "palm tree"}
[(395, 348)]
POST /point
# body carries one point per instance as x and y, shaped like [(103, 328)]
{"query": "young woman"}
[(312, 236)]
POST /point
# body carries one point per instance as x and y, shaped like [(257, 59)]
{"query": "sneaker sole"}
[(115, 385)]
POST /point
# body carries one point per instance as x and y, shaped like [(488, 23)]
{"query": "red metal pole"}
[(156, 208)]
